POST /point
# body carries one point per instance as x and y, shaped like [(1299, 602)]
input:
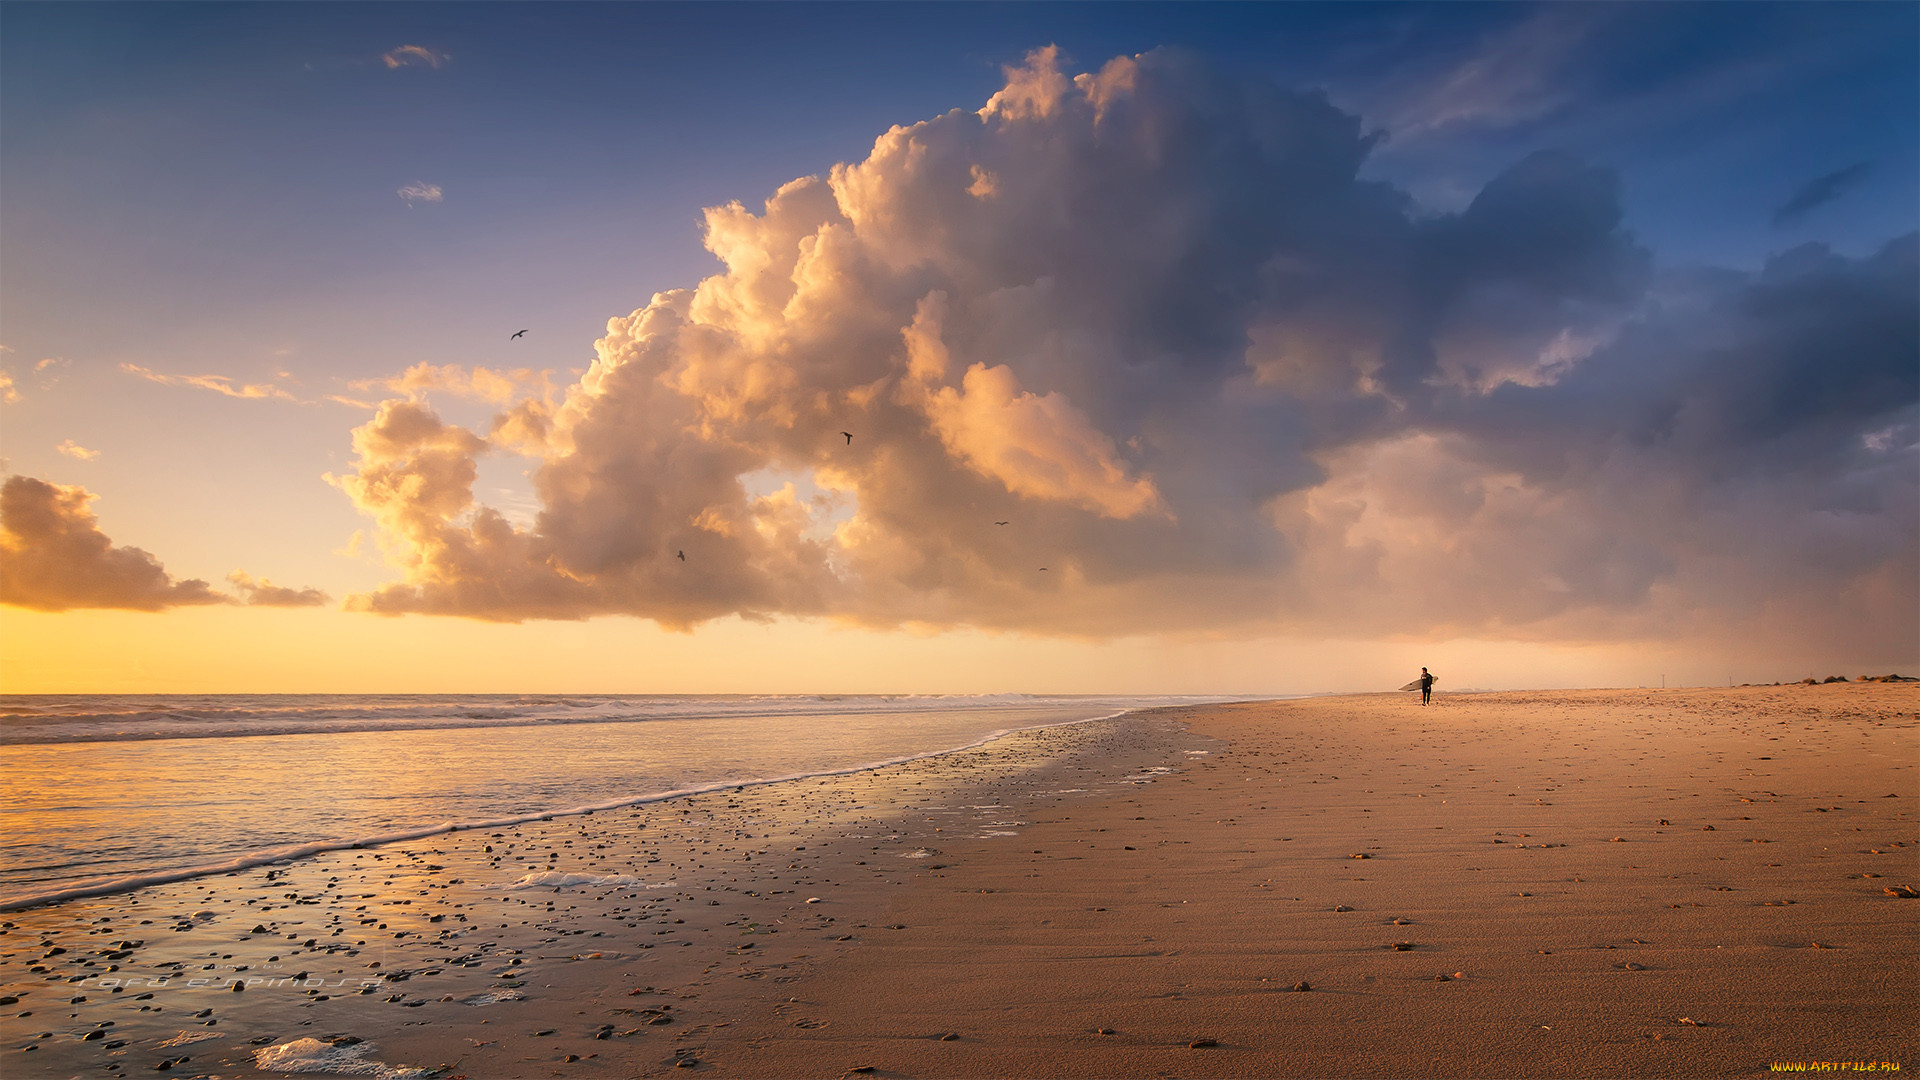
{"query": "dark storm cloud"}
[(1746, 442)]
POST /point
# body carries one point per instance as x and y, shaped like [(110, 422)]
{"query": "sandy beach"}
[(1618, 883)]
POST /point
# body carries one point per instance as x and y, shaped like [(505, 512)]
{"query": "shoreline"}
[(57, 892), (340, 944), (1168, 879)]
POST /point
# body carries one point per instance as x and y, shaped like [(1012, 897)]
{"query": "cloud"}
[(1038, 446), (219, 384), (56, 557), (419, 191), (499, 386), (264, 593), (1151, 317), (75, 450), (47, 362), (410, 55), (1517, 75), (1818, 192), (8, 394)]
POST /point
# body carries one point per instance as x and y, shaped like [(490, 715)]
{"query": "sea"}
[(103, 793)]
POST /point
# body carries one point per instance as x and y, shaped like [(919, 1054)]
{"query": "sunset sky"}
[(1301, 345)]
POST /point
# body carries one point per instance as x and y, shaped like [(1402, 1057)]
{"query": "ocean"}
[(103, 793)]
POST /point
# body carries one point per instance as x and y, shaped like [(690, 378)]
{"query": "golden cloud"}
[(410, 55), (56, 557)]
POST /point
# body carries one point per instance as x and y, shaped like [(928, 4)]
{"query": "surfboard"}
[(1415, 684)]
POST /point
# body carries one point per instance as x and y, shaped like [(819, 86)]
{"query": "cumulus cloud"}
[(263, 593), (8, 394), (56, 557), (419, 191), (411, 55), (75, 450), (1818, 192), (497, 386), (1152, 319)]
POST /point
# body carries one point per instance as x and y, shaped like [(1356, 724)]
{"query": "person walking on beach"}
[(1426, 686)]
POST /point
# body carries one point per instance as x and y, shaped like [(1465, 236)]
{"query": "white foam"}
[(187, 1038), (312, 1055), (560, 879), (493, 998)]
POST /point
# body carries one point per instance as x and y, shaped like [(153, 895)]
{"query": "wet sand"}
[(1620, 883)]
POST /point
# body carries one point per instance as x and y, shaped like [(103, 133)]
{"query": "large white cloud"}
[(1152, 319)]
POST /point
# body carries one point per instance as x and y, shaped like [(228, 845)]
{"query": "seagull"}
[(849, 436), (516, 334), (1001, 523), (1043, 569), (682, 555)]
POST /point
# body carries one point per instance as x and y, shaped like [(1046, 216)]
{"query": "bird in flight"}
[(682, 555), (1001, 523), (1043, 569), (516, 334), (849, 436)]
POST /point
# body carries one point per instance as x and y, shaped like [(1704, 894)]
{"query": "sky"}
[(959, 348)]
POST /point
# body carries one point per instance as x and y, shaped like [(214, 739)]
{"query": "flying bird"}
[(1001, 523), (849, 436), (1043, 569), (682, 555), (516, 334)]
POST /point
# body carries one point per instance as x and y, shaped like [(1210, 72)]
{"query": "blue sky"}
[(243, 146), (221, 189)]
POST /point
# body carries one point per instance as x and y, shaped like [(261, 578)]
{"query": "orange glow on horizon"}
[(255, 650)]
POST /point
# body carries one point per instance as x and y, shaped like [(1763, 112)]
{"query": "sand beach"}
[(1567, 883)]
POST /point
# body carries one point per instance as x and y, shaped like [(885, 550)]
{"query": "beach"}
[(1547, 883)]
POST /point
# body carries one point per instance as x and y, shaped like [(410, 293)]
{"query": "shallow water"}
[(127, 790)]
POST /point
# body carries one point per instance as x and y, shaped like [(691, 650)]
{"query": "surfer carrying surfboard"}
[(1424, 684)]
